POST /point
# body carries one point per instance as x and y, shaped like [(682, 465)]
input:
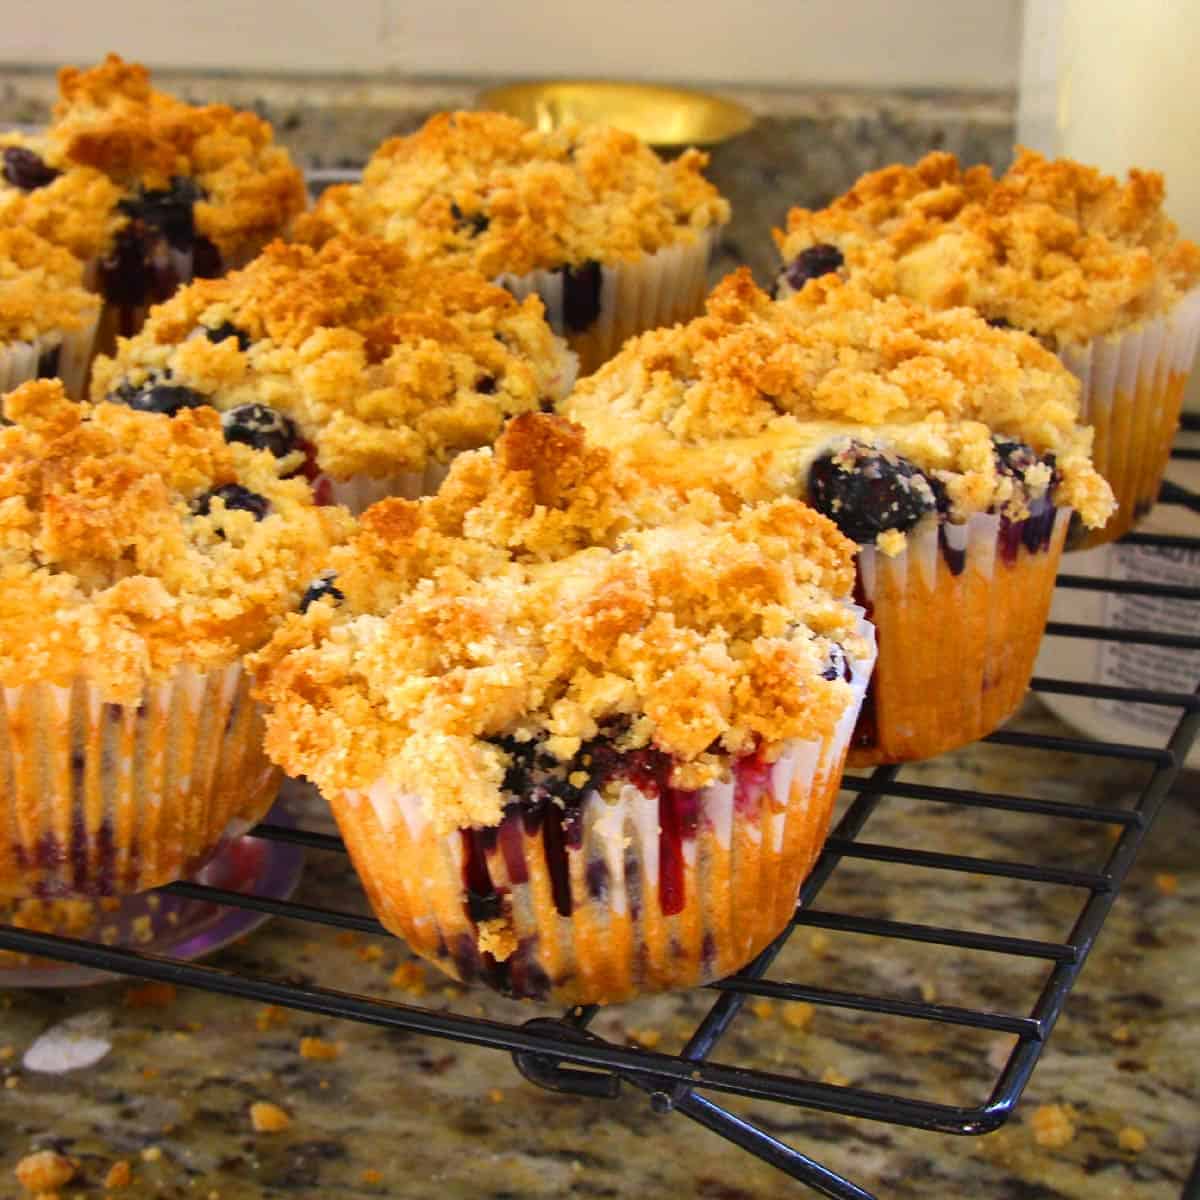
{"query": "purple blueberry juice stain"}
[(484, 902), (597, 876)]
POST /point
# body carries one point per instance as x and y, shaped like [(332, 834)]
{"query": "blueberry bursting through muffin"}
[(811, 263), (141, 269), (866, 490)]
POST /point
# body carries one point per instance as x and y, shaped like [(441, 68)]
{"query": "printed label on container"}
[(1139, 666)]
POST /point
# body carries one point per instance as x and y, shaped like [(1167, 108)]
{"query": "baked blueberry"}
[(227, 330), (838, 666), (48, 360), (321, 587), (581, 295), (485, 385), (234, 496), (168, 398), (169, 210), (818, 260), (260, 426), (1012, 457), (866, 491), (25, 170), (476, 223)]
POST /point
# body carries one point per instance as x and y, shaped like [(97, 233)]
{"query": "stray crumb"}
[(311, 1047), (119, 1176), (153, 902), (891, 542), (7, 1052), (1166, 883), (347, 938), (44, 1171), (1131, 1139), (928, 991), (819, 944), (149, 1072), (143, 929), (646, 1038), (152, 1154), (371, 953), (1053, 1125), (109, 935), (150, 995), (762, 1008), (323, 1085), (497, 938), (271, 1016), (834, 1076), (13, 1082), (371, 1176), (496, 1096), (268, 1118), (1121, 1034), (797, 1014), (409, 977)]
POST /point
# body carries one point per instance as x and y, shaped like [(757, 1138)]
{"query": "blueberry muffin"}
[(571, 758), (950, 451), (47, 317), (613, 239), (140, 559), (1089, 265), (146, 190), (354, 364)]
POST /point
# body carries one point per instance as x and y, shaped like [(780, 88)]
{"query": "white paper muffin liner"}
[(956, 649), (655, 290), (101, 799), (19, 360), (1133, 387), (652, 890)]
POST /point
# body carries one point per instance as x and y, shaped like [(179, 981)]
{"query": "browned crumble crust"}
[(744, 398), (106, 573), (383, 362), (41, 288), (487, 191), (710, 637), (113, 132), (1052, 247)]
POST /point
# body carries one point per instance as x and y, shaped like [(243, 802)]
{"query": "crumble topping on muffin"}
[(485, 190), (377, 362), (702, 641), (754, 396), (123, 163), (1052, 247), (131, 544), (41, 288)]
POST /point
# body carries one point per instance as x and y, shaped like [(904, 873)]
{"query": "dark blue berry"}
[(169, 210), (26, 170), (261, 427), (838, 666), (475, 224), (999, 322), (822, 259), (485, 385), (865, 491), (1012, 457), (206, 259), (234, 496), (321, 587), (581, 295), (227, 330), (48, 360), (168, 398)]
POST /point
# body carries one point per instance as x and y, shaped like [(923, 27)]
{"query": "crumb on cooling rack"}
[(409, 977), (268, 1118), (370, 1177), (152, 1154), (44, 1171), (7, 1052), (1131, 1139), (271, 1016), (119, 1176), (1053, 1125), (496, 1096), (647, 1039), (797, 1014), (150, 995), (1121, 1035), (1166, 883), (762, 1008), (372, 953), (319, 1049), (833, 1076)]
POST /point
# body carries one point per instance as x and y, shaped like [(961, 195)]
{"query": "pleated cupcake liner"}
[(1133, 389), (652, 890), (60, 354), (101, 799), (657, 289), (959, 616)]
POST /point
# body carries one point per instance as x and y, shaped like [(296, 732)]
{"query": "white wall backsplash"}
[(906, 43)]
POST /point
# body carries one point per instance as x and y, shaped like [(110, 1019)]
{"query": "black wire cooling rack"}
[(559, 1053)]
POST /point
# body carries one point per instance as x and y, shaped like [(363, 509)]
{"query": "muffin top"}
[(41, 288), (118, 151), (485, 190), (1052, 247), (749, 397), (132, 544), (449, 634), (378, 363)]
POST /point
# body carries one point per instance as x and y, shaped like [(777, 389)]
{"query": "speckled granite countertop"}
[(408, 1117)]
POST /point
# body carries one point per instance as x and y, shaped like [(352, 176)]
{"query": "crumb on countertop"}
[(119, 1175), (150, 995), (268, 1118), (1131, 1139), (1166, 883), (271, 1016), (409, 977), (1053, 1125), (317, 1048), (44, 1171)]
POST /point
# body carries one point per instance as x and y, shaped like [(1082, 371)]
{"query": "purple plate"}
[(167, 925)]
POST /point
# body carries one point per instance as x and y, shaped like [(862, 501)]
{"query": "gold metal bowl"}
[(660, 116)]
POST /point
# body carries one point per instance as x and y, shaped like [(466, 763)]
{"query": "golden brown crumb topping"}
[(382, 362), (110, 567), (111, 127), (1052, 247), (485, 190), (745, 398), (705, 639), (41, 288)]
